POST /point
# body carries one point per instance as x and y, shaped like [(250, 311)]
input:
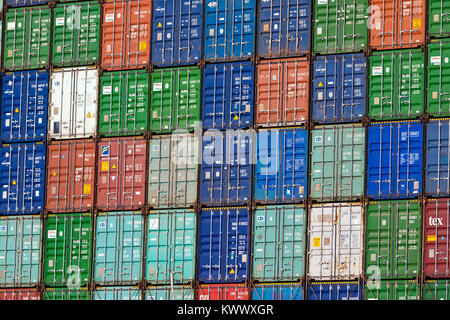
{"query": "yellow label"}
[(14, 182), (236, 117), (159, 25), (105, 165), (417, 23), (320, 84), (316, 242), (142, 45), (113, 166), (232, 271), (54, 173), (87, 189), (431, 237), (17, 110), (89, 115)]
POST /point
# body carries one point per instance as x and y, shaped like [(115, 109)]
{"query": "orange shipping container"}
[(282, 92), (70, 176), (397, 24), (126, 34)]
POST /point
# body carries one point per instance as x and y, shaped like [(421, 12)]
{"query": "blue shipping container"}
[(437, 168), (22, 178), (284, 28), (394, 154), (226, 168), (177, 32), (288, 291), (228, 91), (23, 3), (335, 291), (339, 88), (224, 245), (281, 165), (229, 29), (24, 105)]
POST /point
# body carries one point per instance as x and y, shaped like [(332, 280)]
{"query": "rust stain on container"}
[(282, 92), (70, 176), (121, 173), (126, 34)]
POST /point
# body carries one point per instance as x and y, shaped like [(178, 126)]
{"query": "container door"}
[(438, 13), (214, 169), (354, 87), (265, 245), (214, 97), (114, 28), (411, 22), (111, 102), (382, 85), (296, 35), (190, 36), (164, 46), (382, 24), (109, 187), (438, 71), (272, 29), (270, 107), (241, 91), (134, 117), (438, 153), (295, 91), (217, 30), (133, 168), (160, 170), (162, 100), (138, 34), (353, 24), (326, 26), (186, 105)]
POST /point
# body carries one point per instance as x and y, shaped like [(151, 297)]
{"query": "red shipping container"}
[(223, 292), (436, 238), (19, 294), (70, 176), (126, 34), (121, 173), (397, 24), (282, 92)]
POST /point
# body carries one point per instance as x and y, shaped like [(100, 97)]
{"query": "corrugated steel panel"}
[(20, 294), (76, 33), (281, 291), (337, 162), (438, 77), (118, 250), (394, 154), (229, 29), (335, 291), (393, 290), (282, 92), (436, 290), (175, 99), (396, 84), (281, 165), (393, 239), (121, 173), (223, 292), (438, 18), (66, 294), (126, 34), (336, 241), (20, 251), (169, 293), (437, 166), (22, 176), (73, 103), (284, 28), (22, 3), (436, 239), (173, 171), (70, 176), (171, 245), (340, 26), (224, 245), (279, 243), (27, 38), (226, 168), (116, 293), (177, 31), (397, 24), (67, 251), (339, 88), (228, 91), (24, 105), (123, 106)]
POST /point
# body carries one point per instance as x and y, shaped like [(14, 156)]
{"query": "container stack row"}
[(225, 150)]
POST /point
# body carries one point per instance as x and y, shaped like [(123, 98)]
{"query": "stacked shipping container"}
[(265, 150)]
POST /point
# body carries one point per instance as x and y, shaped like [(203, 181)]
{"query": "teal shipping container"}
[(117, 293), (169, 293), (171, 244)]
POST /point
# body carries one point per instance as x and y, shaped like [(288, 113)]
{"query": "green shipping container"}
[(438, 71), (27, 38), (439, 18), (392, 290), (76, 34), (123, 103), (436, 290), (66, 294), (175, 99), (396, 84), (67, 253), (393, 239), (337, 162), (340, 26), (279, 243)]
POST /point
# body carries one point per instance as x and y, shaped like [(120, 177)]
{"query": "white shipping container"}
[(335, 242), (73, 103)]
